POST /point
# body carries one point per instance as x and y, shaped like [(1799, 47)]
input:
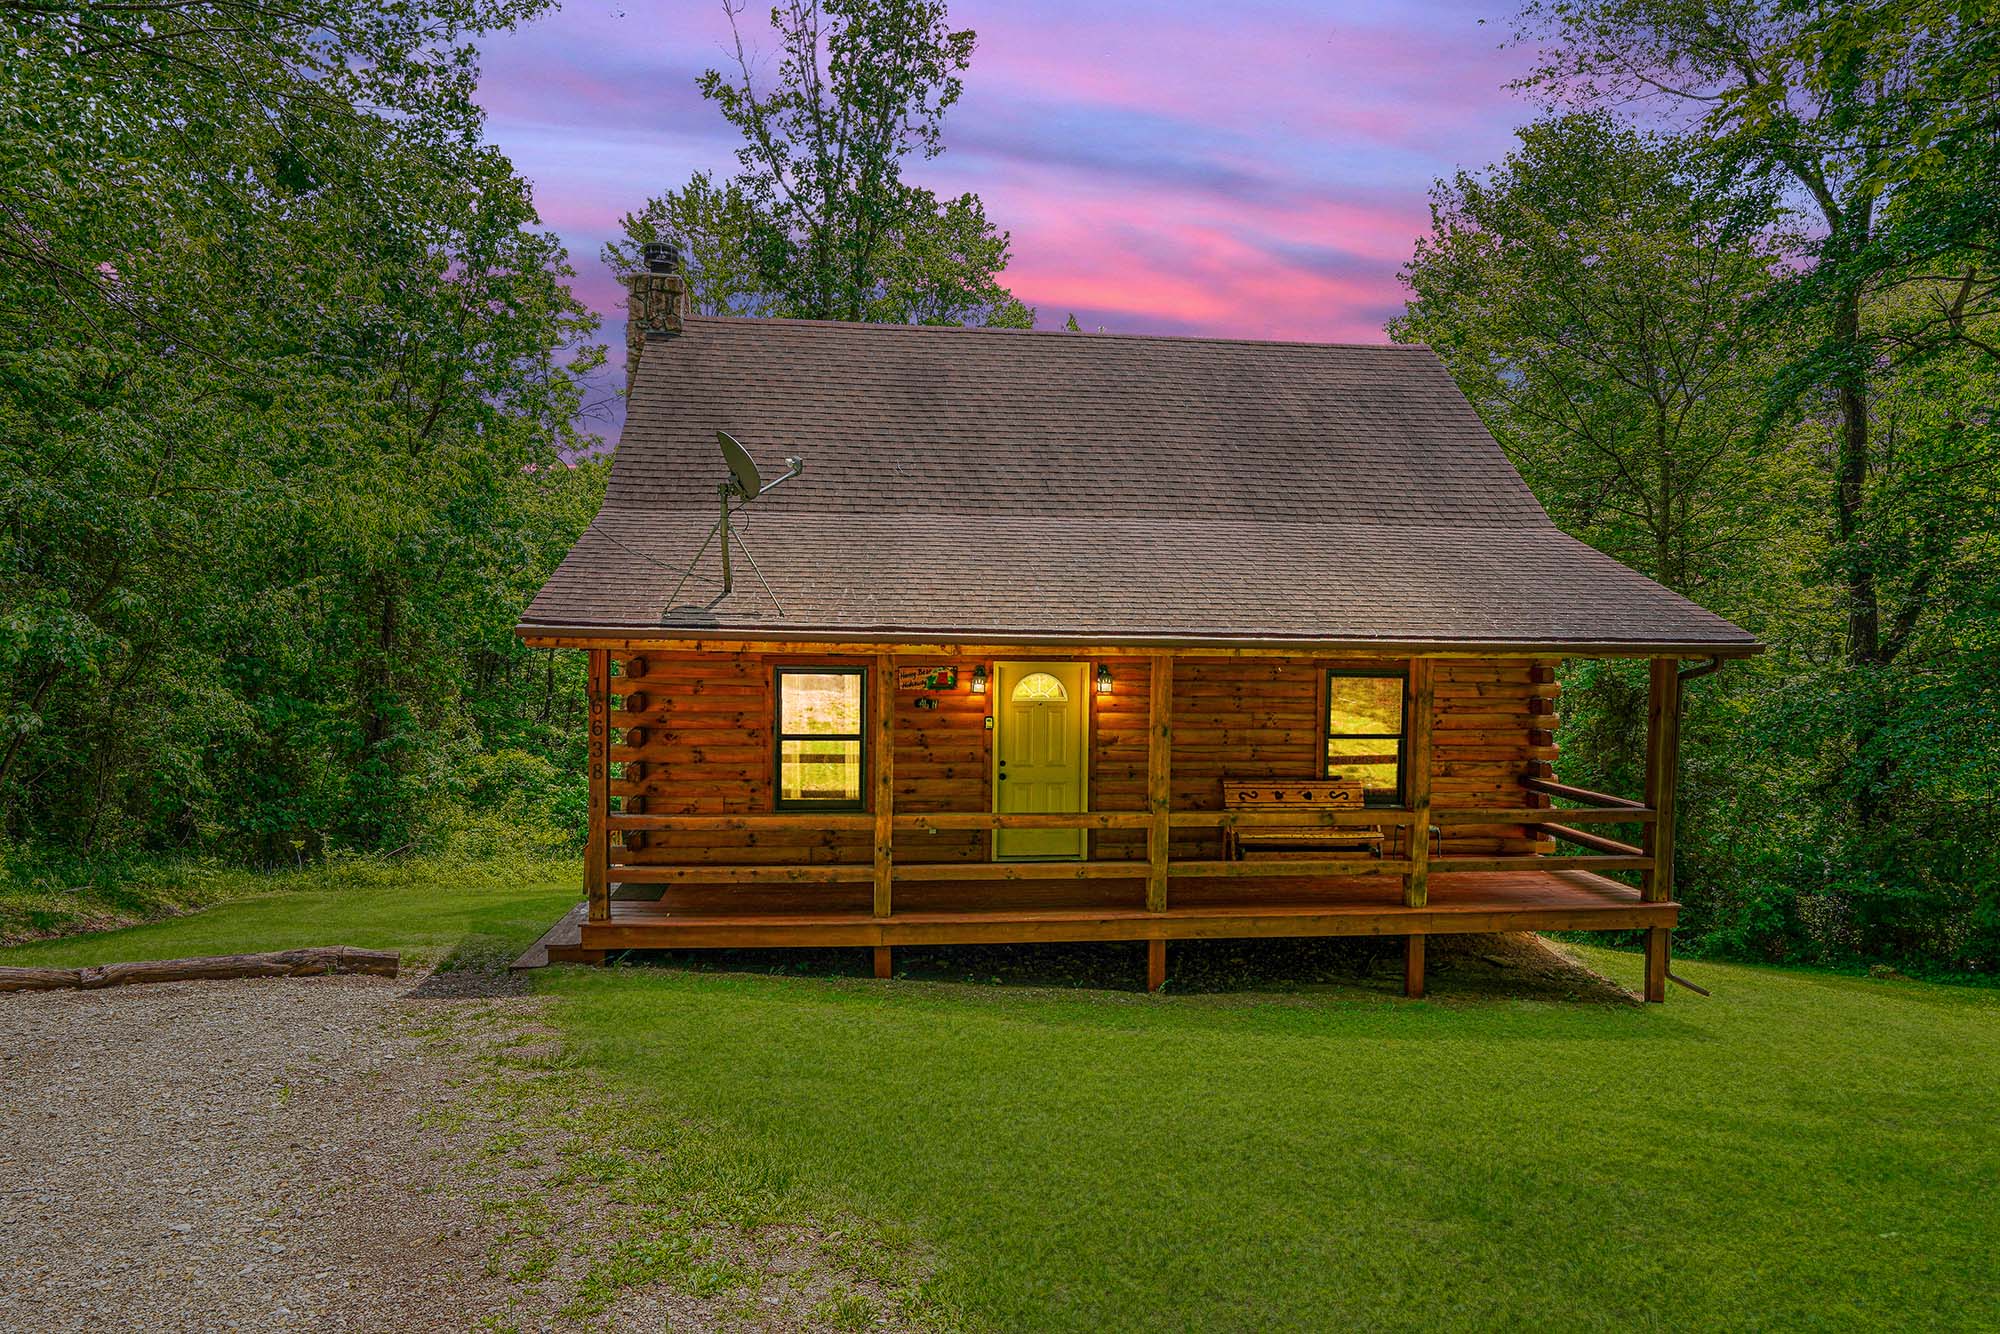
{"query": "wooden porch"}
[(942, 913), (1460, 902), (905, 895)]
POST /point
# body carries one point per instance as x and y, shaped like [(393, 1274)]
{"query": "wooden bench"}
[(1301, 796)]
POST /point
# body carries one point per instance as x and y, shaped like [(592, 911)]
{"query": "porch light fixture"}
[(979, 680), (1103, 678)]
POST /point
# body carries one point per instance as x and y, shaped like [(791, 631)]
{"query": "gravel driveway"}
[(231, 1155)]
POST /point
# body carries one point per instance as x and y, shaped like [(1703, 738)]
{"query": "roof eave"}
[(539, 634)]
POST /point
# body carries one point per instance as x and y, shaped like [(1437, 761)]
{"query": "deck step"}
[(561, 943)]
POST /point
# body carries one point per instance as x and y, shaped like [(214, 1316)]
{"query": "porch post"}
[(1659, 941), (1159, 778), (885, 786), (597, 839), (1663, 743), (1417, 776), (1159, 801)]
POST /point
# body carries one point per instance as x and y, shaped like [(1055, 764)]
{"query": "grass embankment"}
[(1801, 1150), (166, 909)]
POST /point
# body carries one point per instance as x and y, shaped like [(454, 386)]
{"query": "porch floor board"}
[(1460, 902)]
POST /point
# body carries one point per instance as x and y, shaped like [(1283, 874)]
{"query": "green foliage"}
[(716, 227), (1594, 297), (820, 223), (1760, 215), (287, 381), (1878, 122)]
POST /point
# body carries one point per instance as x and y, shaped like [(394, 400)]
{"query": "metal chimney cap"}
[(661, 257)]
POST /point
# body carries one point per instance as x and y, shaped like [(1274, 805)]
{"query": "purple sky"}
[(1180, 167)]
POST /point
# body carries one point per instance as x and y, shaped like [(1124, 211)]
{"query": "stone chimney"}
[(657, 304)]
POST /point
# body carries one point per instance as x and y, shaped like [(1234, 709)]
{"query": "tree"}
[(1861, 768), (287, 378), (1864, 111), (1594, 295), (1919, 82), (716, 228), (820, 223)]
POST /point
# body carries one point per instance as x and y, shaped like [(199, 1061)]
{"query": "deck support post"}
[(1413, 966), (1659, 945), (1663, 743), (885, 788), (597, 839), (1156, 964), (1422, 705), (1159, 778), (884, 962)]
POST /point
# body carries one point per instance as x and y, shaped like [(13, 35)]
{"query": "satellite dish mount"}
[(745, 484)]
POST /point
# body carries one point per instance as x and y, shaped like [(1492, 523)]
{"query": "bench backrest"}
[(1288, 793)]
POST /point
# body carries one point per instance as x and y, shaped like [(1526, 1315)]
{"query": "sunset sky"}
[(1183, 167)]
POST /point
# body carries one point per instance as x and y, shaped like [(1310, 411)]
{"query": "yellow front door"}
[(1038, 756)]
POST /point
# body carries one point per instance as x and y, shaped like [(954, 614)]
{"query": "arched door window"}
[(1039, 688)]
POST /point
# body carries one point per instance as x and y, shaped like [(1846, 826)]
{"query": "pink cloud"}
[(1161, 167), (1393, 86), (1219, 283)]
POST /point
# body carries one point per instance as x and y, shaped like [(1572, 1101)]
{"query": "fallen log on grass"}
[(314, 962)]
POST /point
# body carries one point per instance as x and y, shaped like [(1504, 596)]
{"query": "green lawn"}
[(1801, 1150), (465, 915)]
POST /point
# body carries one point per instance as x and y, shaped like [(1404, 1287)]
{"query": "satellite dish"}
[(745, 484), (749, 482)]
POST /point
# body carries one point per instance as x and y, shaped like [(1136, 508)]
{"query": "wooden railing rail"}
[(748, 823), (1130, 868), (817, 873), (1583, 794), (938, 820), (1329, 817), (1608, 854), (1279, 870), (943, 820), (1536, 861), (1123, 869), (1544, 815), (1596, 842)]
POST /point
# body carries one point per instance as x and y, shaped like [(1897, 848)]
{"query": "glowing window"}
[(1039, 688), (820, 724), (1364, 733)]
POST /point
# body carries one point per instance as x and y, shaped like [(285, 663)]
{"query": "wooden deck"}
[(1459, 903), (688, 848)]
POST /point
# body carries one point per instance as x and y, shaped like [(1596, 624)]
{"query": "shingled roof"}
[(998, 485)]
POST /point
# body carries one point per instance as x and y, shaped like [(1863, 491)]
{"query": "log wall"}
[(695, 736)]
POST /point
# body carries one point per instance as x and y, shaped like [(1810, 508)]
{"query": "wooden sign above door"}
[(943, 677)]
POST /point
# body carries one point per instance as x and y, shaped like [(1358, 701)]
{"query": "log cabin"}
[(1087, 637)]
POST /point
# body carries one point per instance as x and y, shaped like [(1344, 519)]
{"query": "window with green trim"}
[(1365, 731), (821, 725)]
